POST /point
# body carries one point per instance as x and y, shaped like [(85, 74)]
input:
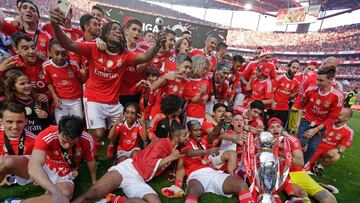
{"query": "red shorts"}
[(320, 152)]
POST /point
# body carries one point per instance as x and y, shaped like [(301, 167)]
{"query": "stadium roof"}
[(265, 6)]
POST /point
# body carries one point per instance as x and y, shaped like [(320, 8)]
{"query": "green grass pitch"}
[(345, 175)]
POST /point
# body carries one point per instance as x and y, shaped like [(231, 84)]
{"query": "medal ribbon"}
[(21, 145), (66, 155)]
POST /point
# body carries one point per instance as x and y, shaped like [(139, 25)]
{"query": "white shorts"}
[(211, 180), (120, 153), (132, 184), (69, 107), (52, 174), (97, 113), (23, 181)]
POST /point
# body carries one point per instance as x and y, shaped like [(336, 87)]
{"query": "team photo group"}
[(206, 119)]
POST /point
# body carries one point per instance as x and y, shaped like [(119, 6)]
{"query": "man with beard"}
[(106, 70), (285, 88), (132, 174), (29, 19), (207, 51), (91, 29)]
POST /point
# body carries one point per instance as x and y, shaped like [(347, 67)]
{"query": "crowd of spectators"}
[(324, 41)]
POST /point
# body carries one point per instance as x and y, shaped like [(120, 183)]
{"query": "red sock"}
[(246, 197), (97, 147), (179, 183), (191, 199), (118, 199)]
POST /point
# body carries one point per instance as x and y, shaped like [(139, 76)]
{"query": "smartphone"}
[(65, 6), (2, 14)]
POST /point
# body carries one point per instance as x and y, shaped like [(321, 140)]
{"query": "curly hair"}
[(170, 104)]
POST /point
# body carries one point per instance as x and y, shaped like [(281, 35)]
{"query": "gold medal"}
[(75, 173)]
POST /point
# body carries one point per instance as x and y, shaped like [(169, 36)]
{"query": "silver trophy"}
[(159, 22), (266, 141), (266, 176)]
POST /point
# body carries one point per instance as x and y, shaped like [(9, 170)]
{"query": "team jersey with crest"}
[(321, 108), (147, 161), (192, 164), (28, 144), (132, 75), (195, 109), (35, 74), (106, 71), (210, 56), (164, 62), (64, 78), (128, 136), (73, 33), (42, 38), (261, 90), (336, 136), (250, 70), (295, 144), (48, 142), (284, 88)]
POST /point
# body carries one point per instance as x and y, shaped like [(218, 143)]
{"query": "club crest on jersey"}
[(134, 135), (261, 88), (109, 63), (331, 134), (156, 60), (318, 101), (71, 74), (338, 137), (175, 88), (287, 85), (119, 63), (326, 104)]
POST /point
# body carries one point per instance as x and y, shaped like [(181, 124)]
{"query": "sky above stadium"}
[(249, 19)]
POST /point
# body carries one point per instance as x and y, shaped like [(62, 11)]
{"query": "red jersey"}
[(105, 72), (243, 112), (164, 62), (192, 164), (82, 61), (210, 56), (237, 86), (250, 70), (65, 79), (28, 143), (334, 136), (73, 33), (284, 88), (144, 99), (41, 37), (48, 142), (321, 108), (221, 90), (197, 109), (35, 73), (307, 81), (129, 136), (295, 144), (131, 75), (147, 161), (261, 90)]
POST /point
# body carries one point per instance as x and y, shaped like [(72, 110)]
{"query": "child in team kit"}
[(126, 134), (64, 81)]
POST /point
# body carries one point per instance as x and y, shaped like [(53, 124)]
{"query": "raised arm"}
[(151, 53), (57, 18)]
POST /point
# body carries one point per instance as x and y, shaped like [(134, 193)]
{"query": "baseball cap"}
[(266, 51), (274, 120)]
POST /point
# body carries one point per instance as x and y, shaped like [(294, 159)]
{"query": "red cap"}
[(313, 63), (265, 68), (266, 51), (274, 120)]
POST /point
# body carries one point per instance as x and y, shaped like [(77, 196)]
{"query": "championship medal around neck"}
[(75, 173)]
